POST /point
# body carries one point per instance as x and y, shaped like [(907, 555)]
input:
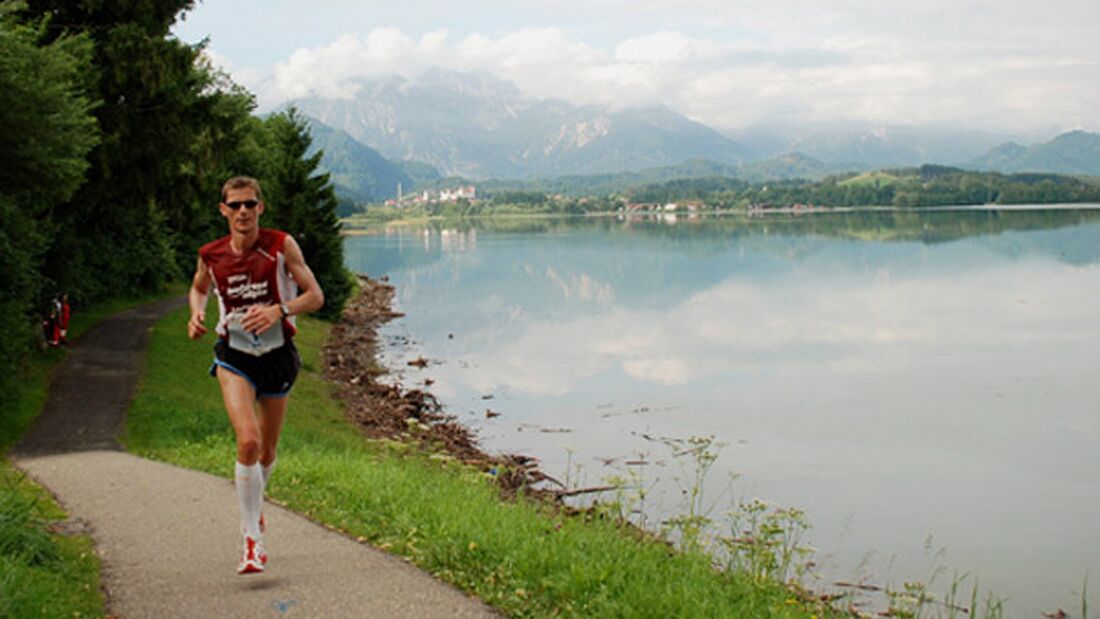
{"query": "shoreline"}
[(414, 416), (350, 227), (523, 556), (393, 412)]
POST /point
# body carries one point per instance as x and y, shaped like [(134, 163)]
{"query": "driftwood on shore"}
[(391, 411)]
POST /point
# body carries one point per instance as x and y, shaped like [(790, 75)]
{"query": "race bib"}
[(249, 342)]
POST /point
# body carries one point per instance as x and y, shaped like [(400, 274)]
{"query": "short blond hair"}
[(241, 182)]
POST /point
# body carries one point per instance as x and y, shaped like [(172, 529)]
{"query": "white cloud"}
[(331, 71), (1002, 65), (796, 328), (666, 47)]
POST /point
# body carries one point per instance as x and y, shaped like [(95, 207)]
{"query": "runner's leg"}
[(239, 398), (272, 414)]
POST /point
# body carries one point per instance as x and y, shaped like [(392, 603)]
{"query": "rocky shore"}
[(390, 411)]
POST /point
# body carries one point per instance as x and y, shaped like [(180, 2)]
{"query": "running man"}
[(256, 274)]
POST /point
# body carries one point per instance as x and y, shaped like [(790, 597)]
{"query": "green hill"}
[(359, 172)]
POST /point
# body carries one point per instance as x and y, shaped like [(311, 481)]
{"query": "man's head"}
[(241, 204), (241, 182)]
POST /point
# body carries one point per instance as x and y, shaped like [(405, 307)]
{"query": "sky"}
[(1015, 66)]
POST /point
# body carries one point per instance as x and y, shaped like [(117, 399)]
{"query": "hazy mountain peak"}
[(1077, 136), (471, 83), (579, 134), (478, 125), (1073, 152)]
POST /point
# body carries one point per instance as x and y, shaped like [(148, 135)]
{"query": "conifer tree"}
[(302, 202)]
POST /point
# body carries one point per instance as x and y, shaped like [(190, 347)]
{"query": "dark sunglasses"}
[(249, 204)]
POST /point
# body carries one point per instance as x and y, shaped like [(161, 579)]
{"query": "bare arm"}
[(196, 298), (310, 296)]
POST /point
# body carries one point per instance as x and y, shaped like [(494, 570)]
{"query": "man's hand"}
[(260, 318), (195, 330)]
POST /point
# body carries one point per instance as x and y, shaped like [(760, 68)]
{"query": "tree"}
[(46, 129), (228, 141), (115, 234), (303, 203)]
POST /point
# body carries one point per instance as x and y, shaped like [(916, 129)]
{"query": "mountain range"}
[(857, 147), (1076, 152), (396, 130), (478, 126)]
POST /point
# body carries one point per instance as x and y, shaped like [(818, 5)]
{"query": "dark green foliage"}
[(20, 244), (533, 198), (46, 130), (925, 186), (686, 189), (44, 106), (113, 236), (115, 139), (228, 141), (302, 202), (930, 172), (346, 207)]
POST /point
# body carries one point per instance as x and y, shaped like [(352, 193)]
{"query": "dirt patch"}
[(411, 415)]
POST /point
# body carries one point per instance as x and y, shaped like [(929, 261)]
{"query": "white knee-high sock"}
[(250, 495), (267, 468)]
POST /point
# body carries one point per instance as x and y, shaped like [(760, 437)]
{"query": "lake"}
[(925, 385)]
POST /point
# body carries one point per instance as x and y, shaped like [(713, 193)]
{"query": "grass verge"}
[(447, 518), (24, 396), (43, 572)]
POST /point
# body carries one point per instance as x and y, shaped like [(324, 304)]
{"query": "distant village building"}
[(468, 192)]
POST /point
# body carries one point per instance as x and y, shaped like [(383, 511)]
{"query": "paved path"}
[(169, 537)]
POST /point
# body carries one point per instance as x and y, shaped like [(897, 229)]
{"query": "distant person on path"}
[(64, 312), (256, 274), (49, 325)]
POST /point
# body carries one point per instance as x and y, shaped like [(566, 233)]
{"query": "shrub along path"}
[(168, 537)]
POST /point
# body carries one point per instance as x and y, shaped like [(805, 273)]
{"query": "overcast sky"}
[(1018, 66)]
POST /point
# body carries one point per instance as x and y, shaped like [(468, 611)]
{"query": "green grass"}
[(447, 518), (42, 573), (25, 396), (878, 179)]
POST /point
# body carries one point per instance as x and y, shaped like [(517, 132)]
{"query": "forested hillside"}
[(927, 185)]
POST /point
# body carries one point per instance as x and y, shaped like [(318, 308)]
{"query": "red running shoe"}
[(253, 559)]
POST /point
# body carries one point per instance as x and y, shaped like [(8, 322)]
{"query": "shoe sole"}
[(251, 568)]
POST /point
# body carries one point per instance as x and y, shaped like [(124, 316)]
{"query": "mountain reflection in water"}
[(900, 375)]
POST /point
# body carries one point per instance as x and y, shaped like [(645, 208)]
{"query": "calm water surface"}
[(925, 386)]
